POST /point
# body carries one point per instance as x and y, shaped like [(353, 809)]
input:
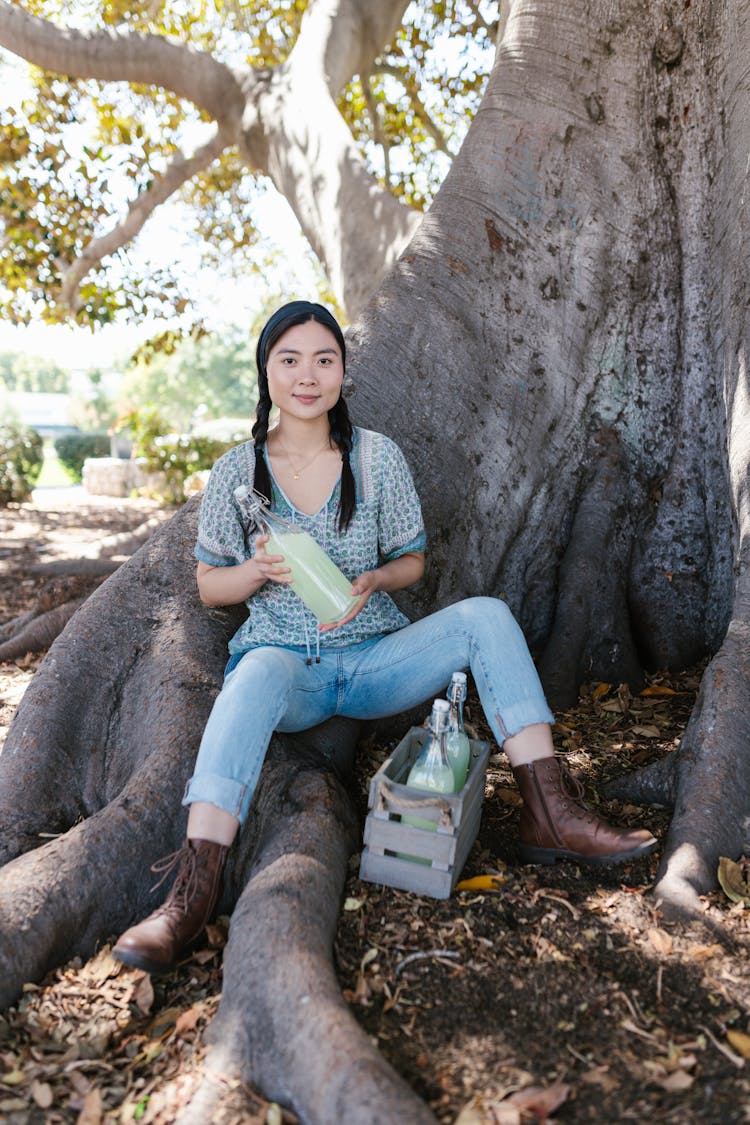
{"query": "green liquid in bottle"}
[(459, 755), (431, 771), (315, 578)]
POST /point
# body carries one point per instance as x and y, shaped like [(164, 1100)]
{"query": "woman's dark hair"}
[(299, 312)]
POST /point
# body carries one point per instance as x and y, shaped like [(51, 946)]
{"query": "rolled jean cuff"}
[(224, 792), (523, 714)]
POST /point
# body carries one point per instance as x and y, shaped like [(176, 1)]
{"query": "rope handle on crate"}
[(388, 800)]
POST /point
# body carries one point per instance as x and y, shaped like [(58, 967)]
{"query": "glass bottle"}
[(431, 771), (316, 579), (457, 742)]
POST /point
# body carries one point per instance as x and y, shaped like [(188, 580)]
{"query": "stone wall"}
[(114, 476)]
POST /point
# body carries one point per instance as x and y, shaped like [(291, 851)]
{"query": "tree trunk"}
[(571, 315)]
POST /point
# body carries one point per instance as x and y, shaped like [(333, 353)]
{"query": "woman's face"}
[(305, 371)]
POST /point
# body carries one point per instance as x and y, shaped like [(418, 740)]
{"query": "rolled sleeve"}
[(222, 539), (400, 523)]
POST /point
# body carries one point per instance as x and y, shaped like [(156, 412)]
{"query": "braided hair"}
[(299, 312)]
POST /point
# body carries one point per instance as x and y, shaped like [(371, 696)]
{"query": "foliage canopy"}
[(73, 152)]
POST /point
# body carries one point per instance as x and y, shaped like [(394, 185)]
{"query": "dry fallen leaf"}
[(13, 1078), (143, 994), (703, 952), (735, 879), (91, 1114), (503, 1113), (600, 690), (661, 941), (658, 689), (740, 1042), (541, 1101), (677, 1081), (41, 1092), (600, 1076), (187, 1020), (508, 796), (470, 1115), (482, 883)]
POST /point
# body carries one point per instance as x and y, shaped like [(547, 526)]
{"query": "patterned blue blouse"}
[(387, 523)]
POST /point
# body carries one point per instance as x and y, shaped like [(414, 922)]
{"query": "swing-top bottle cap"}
[(458, 678), (250, 501), (442, 706)]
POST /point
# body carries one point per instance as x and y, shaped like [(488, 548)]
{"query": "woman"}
[(352, 491)]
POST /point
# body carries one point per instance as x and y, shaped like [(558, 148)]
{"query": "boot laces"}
[(572, 788), (186, 883)]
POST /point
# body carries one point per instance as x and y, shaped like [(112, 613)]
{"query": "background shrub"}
[(180, 455), (21, 456), (73, 449)]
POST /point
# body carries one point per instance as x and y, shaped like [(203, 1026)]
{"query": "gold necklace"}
[(296, 470)]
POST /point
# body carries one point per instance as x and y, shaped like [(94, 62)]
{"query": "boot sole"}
[(136, 961), (548, 856)]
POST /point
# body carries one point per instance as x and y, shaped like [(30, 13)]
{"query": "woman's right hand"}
[(268, 565)]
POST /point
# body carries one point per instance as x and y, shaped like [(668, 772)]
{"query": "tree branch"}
[(124, 56), (179, 170), (377, 131), (412, 89), (479, 21)]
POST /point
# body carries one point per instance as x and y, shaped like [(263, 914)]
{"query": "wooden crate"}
[(443, 851)]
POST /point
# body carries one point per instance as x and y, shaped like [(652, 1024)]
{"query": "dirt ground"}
[(555, 994)]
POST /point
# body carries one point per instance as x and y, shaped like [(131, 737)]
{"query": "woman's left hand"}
[(362, 586)]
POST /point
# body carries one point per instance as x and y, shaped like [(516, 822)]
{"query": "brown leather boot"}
[(556, 824), (156, 942)]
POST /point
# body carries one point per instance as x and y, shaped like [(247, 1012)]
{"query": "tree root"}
[(99, 751), (125, 542), (39, 633), (707, 780), (136, 675), (280, 992), (76, 568), (64, 898), (655, 784), (591, 632), (712, 807)]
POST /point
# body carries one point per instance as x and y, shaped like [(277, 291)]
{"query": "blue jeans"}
[(273, 688)]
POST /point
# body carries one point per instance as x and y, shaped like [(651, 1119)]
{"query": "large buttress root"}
[(134, 673), (67, 897), (99, 753), (591, 632), (709, 781), (282, 1023)]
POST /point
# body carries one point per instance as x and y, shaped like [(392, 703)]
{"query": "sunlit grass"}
[(53, 474)]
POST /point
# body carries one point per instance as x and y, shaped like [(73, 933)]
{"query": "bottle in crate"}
[(316, 579), (457, 741), (432, 771)]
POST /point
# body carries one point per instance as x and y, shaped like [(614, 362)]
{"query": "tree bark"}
[(282, 1023), (581, 334), (97, 757)]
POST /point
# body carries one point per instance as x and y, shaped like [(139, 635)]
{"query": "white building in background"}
[(49, 414)]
